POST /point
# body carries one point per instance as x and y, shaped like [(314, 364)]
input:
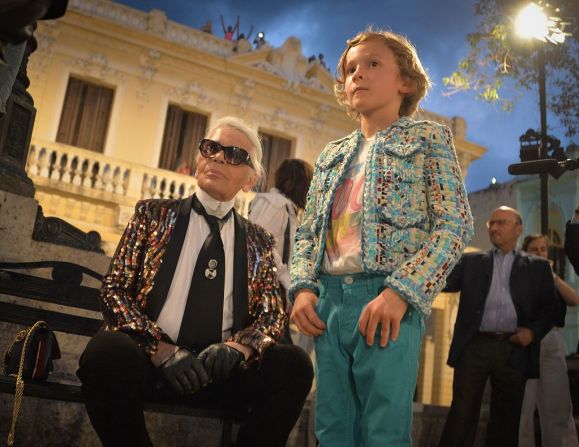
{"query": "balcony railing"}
[(96, 175)]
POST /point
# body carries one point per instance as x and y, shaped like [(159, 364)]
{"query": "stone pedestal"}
[(17, 225), (16, 131)]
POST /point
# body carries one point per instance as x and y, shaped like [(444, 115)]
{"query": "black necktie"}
[(203, 316)]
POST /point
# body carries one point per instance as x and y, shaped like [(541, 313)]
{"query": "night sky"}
[(437, 29)]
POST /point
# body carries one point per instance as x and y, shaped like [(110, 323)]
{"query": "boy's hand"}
[(304, 314), (387, 309)]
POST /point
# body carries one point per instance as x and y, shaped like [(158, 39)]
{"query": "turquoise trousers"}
[(364, 393)]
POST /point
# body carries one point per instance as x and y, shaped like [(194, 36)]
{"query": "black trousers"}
[(484, 358), (116, 375)]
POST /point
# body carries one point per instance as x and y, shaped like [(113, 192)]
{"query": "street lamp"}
[(533, 23)]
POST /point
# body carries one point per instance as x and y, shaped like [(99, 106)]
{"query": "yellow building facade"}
[(117, 90)]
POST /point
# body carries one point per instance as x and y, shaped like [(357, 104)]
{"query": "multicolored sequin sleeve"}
[(419, 279), (124, 289), (266, 313)]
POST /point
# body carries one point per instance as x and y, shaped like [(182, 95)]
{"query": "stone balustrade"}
[(91, 174)]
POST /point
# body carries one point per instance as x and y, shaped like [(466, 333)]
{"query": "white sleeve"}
[(272, 219)]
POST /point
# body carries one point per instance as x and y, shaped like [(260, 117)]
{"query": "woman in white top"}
[(277, 210)]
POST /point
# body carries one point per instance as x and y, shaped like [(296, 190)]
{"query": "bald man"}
[(506, 306)]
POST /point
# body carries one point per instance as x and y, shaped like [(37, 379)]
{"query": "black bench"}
[(65, 288)]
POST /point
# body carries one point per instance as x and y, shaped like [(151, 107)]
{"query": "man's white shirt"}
[(171, 314)]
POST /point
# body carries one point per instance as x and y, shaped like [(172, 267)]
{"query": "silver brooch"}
[(210, 271)]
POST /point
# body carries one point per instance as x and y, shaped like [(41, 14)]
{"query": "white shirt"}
[(172, 312), (271, 211)]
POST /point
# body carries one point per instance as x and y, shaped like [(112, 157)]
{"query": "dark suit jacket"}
[(533, 294), (572, 244), (136, 285)]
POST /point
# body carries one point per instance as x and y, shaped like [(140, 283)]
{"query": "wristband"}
[(169, 358)]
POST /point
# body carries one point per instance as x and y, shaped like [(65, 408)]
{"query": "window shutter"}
[(85, 115), (275, 151), (183, 130)]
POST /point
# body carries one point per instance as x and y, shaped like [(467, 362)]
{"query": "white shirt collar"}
[(212, 206)]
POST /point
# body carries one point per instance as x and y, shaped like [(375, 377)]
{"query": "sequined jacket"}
[(128, 289), (416, 219)]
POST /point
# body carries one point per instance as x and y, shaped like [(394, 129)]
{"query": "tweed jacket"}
[(416, 219), (259, 317)]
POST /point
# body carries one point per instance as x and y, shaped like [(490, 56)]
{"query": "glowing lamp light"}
[(532, 23)]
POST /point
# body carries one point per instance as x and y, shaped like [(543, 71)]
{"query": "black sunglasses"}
[(232, 154)]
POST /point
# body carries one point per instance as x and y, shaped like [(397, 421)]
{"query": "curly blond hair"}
[(411, 69)]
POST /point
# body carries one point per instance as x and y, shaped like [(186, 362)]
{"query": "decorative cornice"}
[(317, 84), (46, 36), (155, 23), (97, 66), (288, 63), (60, 232), (318, 117), (190, 93), (114, 12), (149, 62), (278, 120), (268, 68), (244, 92)]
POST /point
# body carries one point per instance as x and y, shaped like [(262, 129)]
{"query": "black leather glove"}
[(184, 372), (219, 360)]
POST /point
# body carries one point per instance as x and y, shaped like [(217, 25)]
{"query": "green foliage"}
[(496, 54)]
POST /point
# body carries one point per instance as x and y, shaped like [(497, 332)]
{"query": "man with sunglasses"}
[(193, 308), (507, 305)]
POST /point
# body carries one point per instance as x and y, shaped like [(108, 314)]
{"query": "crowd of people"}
[(320, 59), (232, 33)]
